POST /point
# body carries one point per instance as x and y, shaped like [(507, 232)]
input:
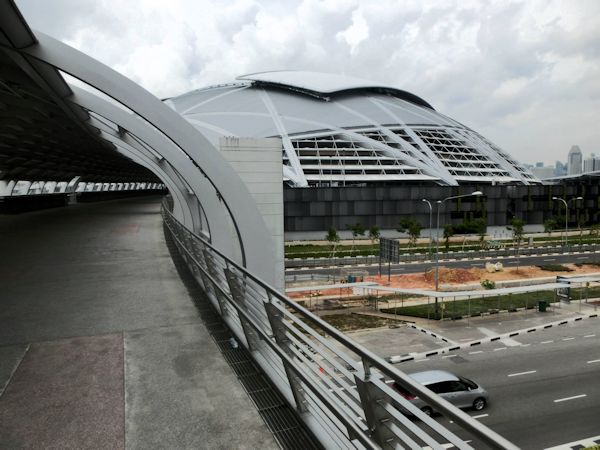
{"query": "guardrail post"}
[(325, 414), (211, 268), (275, 317), (237, 288), (375, 415)]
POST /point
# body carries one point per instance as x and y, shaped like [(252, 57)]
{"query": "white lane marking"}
[(582, 257), (466, 339), (449, 356), (477, 264), (525, 345), (396, 270), (479, 416), (589, 335), (550, 259), (419, 360), (498, 349), (593, 361), (522, 373), (474, 353), (568, 339), (546, 342), (558, 400)]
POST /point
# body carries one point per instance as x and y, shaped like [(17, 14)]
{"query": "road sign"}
[(564, 294), (389, 250)]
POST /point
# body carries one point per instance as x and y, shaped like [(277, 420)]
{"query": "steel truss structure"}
[(338, 130)]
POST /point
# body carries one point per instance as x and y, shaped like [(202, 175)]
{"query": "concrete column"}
[(258, 163)]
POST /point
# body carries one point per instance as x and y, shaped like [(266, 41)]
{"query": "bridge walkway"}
[(101, 344)]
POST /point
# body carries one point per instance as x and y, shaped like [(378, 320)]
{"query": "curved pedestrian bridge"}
[(102, 344)]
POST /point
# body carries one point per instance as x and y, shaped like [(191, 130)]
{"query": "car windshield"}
[(469, 383)]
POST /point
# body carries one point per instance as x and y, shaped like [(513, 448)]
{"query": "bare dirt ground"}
[(448, 276), (473, 276)]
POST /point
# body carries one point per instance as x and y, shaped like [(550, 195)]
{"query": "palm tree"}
[(413, 228), (357, 230), (517, 231), (333, 238), (374, 233)]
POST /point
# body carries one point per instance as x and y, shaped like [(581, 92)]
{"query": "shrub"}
[(488, 284), (589, 263), (555, 268)]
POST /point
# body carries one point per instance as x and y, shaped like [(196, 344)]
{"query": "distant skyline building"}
[(575, 160), (543, 172), (560, 169), (591, 164)]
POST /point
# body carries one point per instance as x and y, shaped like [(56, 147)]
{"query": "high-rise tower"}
[(575, 160)]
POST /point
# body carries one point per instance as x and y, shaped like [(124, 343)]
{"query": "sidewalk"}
[(419, 338), (503, 323)]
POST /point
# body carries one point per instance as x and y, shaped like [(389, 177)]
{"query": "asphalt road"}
[(544, 388), (396, 269)]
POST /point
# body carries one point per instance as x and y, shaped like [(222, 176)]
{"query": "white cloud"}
[(510, 88), (517, 71), (355, 33)]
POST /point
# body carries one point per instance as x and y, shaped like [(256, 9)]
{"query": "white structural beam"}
[(171, 157), (132, 150), (195, 151)]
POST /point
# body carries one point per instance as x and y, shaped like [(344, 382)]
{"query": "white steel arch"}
[(195, 152)]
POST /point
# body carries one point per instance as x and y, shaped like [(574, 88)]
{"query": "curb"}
[(413, 356), (430, 333)]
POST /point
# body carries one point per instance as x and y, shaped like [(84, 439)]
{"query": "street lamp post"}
[(566, 203), (430, 229), (437, 241)]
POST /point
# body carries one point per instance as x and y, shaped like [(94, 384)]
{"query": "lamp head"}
[(554, 198), (579, 198), (477, 193)]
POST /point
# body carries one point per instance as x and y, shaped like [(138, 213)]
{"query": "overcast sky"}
[(525, 74)]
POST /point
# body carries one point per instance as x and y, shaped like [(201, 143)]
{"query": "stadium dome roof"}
[(340, 130)]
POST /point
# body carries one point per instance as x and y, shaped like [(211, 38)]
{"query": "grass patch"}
[(324, 251), (351, 322), (555, 268), (461, 308), (454, 309)]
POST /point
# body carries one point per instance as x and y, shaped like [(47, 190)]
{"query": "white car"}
[(460, 391)]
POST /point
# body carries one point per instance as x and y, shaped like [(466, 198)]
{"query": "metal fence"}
[(342, 391)]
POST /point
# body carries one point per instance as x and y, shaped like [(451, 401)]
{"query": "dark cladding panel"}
[(364, 208), (316, 209)]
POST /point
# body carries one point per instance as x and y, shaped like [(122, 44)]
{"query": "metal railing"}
[(342, 391)]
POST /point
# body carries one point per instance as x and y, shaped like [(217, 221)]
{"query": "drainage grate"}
[(287, 428)]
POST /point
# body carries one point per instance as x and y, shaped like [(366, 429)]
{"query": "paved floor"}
[(101, 345)]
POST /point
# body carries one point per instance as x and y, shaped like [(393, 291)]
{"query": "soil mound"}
[(452, 275)]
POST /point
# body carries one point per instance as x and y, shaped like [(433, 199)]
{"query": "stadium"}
[(344, 131)]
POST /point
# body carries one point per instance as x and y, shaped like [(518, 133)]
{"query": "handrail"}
[(255, 304)]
